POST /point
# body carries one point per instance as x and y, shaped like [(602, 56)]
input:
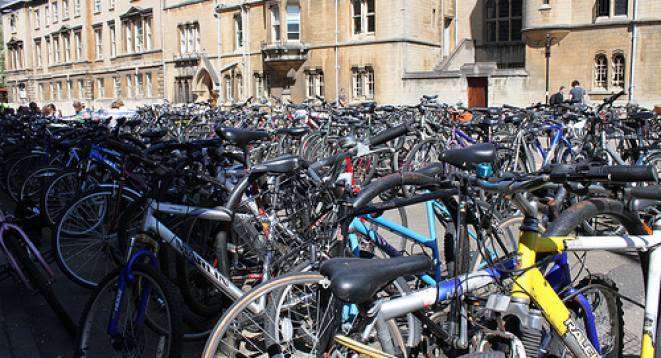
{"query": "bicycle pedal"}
[(360, 347)]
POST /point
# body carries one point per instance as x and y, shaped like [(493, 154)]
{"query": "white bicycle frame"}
[(218, 214)]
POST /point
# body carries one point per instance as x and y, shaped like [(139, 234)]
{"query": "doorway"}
[(477, 91)]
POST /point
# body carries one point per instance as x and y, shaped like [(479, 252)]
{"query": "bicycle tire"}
[(18, 171), (168, 300), (213, 342), (112, 255), (50, 212), (40, 281), (34, 183)]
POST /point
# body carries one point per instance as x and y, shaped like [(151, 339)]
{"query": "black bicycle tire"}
[(170, 298)]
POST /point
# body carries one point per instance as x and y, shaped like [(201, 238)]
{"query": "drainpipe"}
[(634, 45), (165, 68), (337, 53), (441, 28), (456, 26), (246, 42), (217, 13)]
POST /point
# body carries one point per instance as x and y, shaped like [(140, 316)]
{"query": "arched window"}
[(618, 70), (601, 71)]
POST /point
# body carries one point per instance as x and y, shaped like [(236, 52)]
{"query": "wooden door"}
[(477, 91)]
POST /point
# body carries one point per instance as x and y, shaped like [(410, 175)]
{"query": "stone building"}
[(476, 52)]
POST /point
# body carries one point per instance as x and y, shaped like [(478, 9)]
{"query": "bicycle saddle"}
[(154, 133), (467, 158), (281, 165), (355, 280), (241, 137), (293, 132)]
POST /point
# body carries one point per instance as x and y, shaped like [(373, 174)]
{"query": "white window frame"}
[(65, 9), (113, 40), (362, 18), (148, 85), (294, 19), (149, 40), (97, 6), (619, 71), (40, 92), (129, 86), (276, 28), (81, 89), (67, 47), (111, 4), (138, 85), (49, 49), (56, 48), (37, 19), (98, 43), (77, 35), (101, 87), (55, 12), (76, 8), (47, 15), (69, 89), (38, 53), (601, 71), (58, 87), (128, 36), (51, 87), (139, 34), (238, 31)]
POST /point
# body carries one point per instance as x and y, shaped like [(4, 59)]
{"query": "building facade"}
[(475, 52)]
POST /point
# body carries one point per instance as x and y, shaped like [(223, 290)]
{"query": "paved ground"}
[(29, 329)]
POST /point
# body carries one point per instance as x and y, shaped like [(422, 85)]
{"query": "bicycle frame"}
[(531, 284), (219, 214)]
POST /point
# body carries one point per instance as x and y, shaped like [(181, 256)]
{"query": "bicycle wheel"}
[(18, 171), (35, 182), (38, 278), (85, 237), (59, 191), (148, 322), (242, 332)]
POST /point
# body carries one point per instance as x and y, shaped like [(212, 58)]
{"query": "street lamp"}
[(547, 53)]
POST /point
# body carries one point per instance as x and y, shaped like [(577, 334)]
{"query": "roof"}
[(5, 4)]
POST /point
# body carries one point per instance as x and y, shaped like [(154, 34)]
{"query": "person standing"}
[(577, 93)]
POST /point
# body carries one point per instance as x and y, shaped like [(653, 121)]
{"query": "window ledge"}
[(545, 7), (600, 91)]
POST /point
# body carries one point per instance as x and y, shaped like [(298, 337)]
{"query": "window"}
[(56, 48), (51, 88), (601, 71), (65, 9), (98, 43), (603, 7), (363, 83), (363, 15), (275, 24), (40, 92), (79, 45), (262, 85), (113, 41), (503, 20), (293, 22), (97, 6), (81, 89), (37, 52), (128, 31), (59, 90), (49, 49), (69, 89), (76, 7), (111, 4), (129, 86), (115, 87), (618, 70), (239, 86), (238, 31), (67, 47), (138, 84), (229, 93), (183, 89), (47, 15), (37, 19), (12, 22), (138, 36), (101, 86), (315, 83), (189, 38), (621, 7), (55, 12), (148, 84), (149, 41)]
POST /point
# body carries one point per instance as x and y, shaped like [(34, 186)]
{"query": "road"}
[(29, 329)]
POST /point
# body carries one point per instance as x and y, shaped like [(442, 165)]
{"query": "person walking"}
[(577, 93)]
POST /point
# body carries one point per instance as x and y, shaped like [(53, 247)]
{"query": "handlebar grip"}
[(652, 192), (630, 173), (388, 134)]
